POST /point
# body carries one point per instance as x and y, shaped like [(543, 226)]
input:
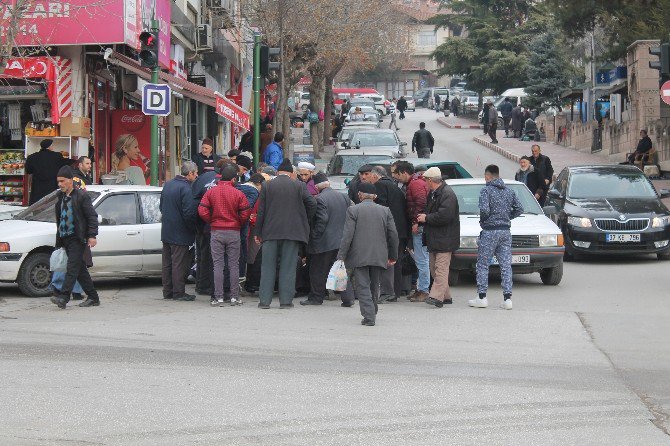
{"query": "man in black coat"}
[(401, 106), (82, 174), (284, 211), (643, 146), (324, 240), (42, 168), (178, 215), (443, 234), (423, 142), (76, 232), (391, 196), (506, 111), (529, 176), (543, 167)]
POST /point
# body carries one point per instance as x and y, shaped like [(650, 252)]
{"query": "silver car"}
[(345, 164)]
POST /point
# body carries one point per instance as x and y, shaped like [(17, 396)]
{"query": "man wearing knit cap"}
[(369, 245), (76, 232), (282, 224), (42, 168), (324, 240), (244, 164), (306, 174)]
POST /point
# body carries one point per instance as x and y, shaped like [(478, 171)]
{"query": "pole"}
[(154, 122), (257, 96)]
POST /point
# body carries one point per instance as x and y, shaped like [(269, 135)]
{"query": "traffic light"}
[(149, 48), (663, 63), (266, 65)]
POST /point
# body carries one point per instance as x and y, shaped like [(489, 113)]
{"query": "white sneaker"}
[(234, 302), (507, 304), (214, 302), (219, 301), (479, 303)]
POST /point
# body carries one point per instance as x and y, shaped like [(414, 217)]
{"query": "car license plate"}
[(516, 259), (623, 238)]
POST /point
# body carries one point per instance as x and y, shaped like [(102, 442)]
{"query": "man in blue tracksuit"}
[(274, 154), (498, 205)]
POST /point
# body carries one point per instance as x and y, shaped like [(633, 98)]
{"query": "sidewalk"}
[(453, 122), (560, 156)]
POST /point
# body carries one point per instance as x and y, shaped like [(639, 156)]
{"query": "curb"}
[(496, 148), (458, 126)]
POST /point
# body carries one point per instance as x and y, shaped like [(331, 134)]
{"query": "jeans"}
[(421, 260), (226, 243)]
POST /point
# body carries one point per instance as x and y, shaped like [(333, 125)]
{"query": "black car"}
[(611, 209)]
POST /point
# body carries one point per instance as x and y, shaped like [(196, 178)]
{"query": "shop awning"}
[(201, 94)]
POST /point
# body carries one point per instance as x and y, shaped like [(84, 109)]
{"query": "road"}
[(586, 362)]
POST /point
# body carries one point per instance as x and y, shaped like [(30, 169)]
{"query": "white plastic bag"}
[(337, 277), (58, 260)]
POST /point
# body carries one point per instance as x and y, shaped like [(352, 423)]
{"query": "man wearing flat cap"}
[(42, 168), (369, 245), (76, 232), (306, 174)]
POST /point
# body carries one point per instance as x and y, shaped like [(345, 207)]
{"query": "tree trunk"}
[(316, 101), (328, 109)]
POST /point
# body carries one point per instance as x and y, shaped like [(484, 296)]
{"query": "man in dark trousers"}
[(82, 174), (436, 99), (643, 146), (543, 167), (324, 239), (493, 122), (506, 111), (76, 232), (401, 106), (390, 196), (517, 121), (43, 167), (443, 234), (369, 245), (485, 118), (423, 142), (177, 231), (284, 211)]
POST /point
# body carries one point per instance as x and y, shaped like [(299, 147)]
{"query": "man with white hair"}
[(306, 175), (324, 240), (369, 245)]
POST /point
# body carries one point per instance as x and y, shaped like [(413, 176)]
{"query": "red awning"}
[(199, 93)]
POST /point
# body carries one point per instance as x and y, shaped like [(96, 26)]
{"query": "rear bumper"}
[(540, 258)]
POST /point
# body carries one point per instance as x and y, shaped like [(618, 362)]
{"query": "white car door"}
[(150, 217), (119, 247)]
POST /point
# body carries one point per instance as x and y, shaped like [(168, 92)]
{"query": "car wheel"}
[(552, 276), (501, 124), (663, 255), (454, 277), (34, 276)]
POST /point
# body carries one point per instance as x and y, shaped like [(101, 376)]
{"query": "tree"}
[(549, 71)]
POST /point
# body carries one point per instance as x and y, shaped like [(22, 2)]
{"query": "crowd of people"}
[(268, 229)]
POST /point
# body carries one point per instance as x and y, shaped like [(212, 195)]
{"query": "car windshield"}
[(43, 210), (363, 139), (610, 185), (349, 164), (468, 198), (442, 92)]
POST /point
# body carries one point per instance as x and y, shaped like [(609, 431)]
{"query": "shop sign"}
[(232, 112)]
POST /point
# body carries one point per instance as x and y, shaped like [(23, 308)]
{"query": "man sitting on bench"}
[(643, 147)]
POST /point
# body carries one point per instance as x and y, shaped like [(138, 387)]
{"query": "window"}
[(150, 206), (427, 38), (120, 209), (349, 164), (468, 198), (44, 210)]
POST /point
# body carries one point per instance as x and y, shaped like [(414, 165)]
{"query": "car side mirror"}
[(664, 193), (553, 193), (550, 210)]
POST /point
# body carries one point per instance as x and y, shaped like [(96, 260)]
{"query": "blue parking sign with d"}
[(156, 99)]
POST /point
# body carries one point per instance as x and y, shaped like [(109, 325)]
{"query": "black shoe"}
[(264, 306), (77, 296), (347, 304), (186, 297), (309, 302), (434, 302), (387, 298), (60, 301), (168, 297), (90, 303), (494, 141), (285, 306), (368, 322), (203, 292), (448, 302)]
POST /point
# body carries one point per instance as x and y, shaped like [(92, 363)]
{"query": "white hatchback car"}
[(129, 238), (537, 243)]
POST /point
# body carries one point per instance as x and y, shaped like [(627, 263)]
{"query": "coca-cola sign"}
[(232, 112), (132, 121)]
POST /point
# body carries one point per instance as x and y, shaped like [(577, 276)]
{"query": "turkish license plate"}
[(622, 238), (516, 259)]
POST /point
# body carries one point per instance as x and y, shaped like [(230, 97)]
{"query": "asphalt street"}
[(583, 363)]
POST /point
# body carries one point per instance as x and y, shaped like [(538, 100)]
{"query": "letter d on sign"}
[(155, 99)]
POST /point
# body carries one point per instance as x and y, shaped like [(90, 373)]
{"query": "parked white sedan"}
[(129, 238), (537, 243)]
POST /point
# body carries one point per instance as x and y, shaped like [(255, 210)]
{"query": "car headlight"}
[(580, 222), (549, 240), (469, 242), (4, 247), (660, 222)]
